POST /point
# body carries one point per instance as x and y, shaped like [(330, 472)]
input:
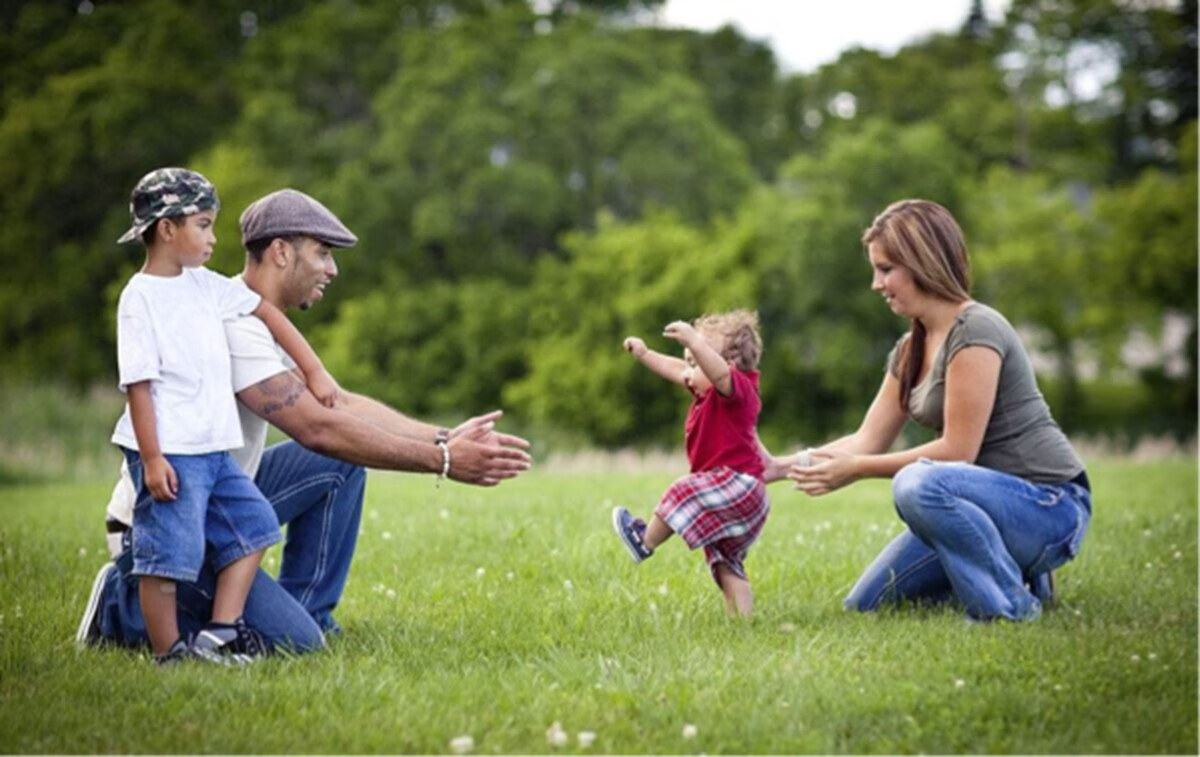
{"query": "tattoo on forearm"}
[(278, 392)]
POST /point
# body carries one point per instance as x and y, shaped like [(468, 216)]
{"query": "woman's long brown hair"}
[(923, 237)]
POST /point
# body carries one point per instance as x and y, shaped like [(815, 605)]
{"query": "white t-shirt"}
[(170, 333), (254, 357)]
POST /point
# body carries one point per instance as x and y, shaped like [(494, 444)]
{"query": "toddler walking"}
[(722, 504), (181, 419)]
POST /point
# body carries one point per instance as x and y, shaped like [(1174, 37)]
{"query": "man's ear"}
[(279, 253)]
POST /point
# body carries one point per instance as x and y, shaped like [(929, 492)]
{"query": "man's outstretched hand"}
[(481, 455)]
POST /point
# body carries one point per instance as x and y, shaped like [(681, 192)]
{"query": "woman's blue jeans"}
[(320, 500), (977, 534)]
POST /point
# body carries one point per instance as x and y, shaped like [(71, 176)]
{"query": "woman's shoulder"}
[(981, 325)]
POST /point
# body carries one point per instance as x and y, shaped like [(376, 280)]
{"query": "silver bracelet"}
[(445, 460)]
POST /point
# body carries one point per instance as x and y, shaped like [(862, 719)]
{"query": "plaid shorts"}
[(721, 510)]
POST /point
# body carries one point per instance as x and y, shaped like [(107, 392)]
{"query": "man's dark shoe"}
[(89, 626)]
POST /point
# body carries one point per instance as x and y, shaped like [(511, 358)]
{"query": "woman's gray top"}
[(1021, 437)]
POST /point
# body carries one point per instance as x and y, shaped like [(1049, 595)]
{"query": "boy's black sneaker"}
[(178, 652), (229, 643)]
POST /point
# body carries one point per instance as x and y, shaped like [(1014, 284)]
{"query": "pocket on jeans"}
[(1059, 553)]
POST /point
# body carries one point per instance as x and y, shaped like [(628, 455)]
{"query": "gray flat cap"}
[(289, 212)]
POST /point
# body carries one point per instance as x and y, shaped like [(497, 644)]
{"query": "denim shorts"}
[(217, 507)]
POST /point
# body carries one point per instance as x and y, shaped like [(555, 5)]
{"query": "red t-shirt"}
[(721, 430)]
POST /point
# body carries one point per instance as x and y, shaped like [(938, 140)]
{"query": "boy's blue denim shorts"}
[(217, 507)]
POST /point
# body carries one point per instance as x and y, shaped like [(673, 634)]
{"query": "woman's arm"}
[(971, 380)]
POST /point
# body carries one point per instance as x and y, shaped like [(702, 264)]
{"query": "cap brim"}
[(134, 232)]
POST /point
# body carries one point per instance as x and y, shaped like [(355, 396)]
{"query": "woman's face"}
[(894, 282)]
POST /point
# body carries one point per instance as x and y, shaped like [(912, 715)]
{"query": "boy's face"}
[(194, 238)]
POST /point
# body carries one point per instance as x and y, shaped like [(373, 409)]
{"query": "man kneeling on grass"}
[(315, 481)]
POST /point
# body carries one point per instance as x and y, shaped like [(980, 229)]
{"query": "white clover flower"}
[(1152, 656), (510, 575), (959, 683), (444, 514), (555, 735), (387, 535), (690, 731), (662, 589), (568, 585), (1135, 658), (652, 607), (462, 744), (787, 628), (586, 739), (373, 514), (1178, 555), (390, 593), (480, 572), (83, 551)]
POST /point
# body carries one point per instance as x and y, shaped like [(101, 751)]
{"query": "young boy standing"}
[(181, 418)]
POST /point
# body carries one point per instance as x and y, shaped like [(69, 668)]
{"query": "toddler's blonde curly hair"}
[(737, 330)]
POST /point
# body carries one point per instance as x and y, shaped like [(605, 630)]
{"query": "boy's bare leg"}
[(739, 599), (157, 597), (233, 585), (657, 531)]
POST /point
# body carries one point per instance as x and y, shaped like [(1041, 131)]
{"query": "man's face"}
[(312, 269)]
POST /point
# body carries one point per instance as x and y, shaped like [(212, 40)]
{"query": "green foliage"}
[(532, 182)]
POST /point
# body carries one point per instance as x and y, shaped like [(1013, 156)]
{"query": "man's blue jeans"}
[(976, 534), (320, 500)]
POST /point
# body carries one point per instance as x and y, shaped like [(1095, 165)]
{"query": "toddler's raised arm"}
[(670, 368)]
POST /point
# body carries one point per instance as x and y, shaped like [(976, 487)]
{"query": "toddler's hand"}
[(160, 478), (323, 387), (635, 346), (680, 331)]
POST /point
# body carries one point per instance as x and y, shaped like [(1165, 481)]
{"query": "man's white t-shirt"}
[(254, 356), (170, 332)]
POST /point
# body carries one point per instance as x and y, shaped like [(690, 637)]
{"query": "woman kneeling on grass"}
[(1000, 498)]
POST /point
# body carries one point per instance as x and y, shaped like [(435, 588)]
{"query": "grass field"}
[(496, 613)]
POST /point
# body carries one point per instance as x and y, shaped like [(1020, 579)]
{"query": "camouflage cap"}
[(168, 193)]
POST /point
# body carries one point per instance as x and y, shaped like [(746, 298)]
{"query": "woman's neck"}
[(940, 315)]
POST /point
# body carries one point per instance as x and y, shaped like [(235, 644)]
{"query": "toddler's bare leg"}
[(657, 531), (739, 599), (233, 585), (157, 597)]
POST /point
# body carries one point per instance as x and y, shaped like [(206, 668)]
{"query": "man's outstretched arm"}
[(284, 402)]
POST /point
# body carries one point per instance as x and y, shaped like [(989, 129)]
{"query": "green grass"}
[(459, 620)]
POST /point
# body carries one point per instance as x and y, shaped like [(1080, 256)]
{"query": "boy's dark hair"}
[(257, 247), (150, 235)]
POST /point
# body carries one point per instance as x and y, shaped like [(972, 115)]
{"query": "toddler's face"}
[(694, 378)]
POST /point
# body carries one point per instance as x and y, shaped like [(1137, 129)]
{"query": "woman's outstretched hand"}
[(827, 471)]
